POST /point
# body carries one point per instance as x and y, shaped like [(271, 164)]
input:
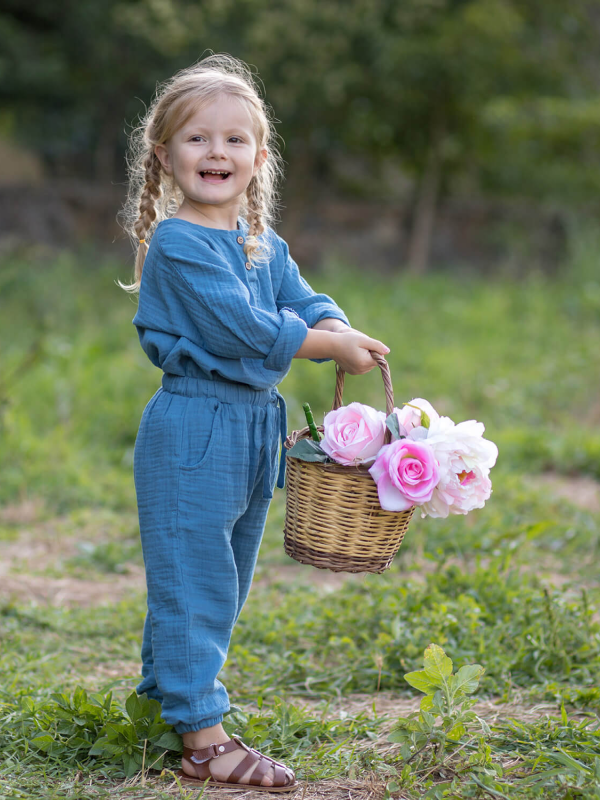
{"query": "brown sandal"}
[(201, 759)]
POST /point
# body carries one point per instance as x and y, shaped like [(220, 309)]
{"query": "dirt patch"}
[(582, 491), (371, 787), (71, 591), (302, 573), (394, 705), (23, 513)]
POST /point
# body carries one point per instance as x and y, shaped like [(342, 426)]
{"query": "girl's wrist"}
[(318, 344), (331, 324)]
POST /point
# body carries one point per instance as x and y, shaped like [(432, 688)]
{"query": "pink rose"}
[(353, 433), (406, 473)]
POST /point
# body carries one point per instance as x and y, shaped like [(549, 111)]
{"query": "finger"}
[(380, 347)]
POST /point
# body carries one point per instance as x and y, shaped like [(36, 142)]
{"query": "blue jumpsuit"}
[(224, 333)]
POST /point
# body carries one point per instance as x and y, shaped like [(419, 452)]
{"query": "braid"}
[(147, 210), (254, 214)]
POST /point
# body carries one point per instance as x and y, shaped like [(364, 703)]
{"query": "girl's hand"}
[(352, 352)]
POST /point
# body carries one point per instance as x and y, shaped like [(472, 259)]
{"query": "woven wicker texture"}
[(333, 517)]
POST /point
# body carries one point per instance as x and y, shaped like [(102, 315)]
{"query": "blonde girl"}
[(222, 312)]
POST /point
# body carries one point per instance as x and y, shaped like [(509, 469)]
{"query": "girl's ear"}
[(163, 156), (260, 159)]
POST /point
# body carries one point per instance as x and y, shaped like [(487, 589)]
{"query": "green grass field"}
[(317, 662)]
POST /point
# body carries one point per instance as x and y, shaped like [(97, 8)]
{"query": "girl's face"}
[(217, 138)]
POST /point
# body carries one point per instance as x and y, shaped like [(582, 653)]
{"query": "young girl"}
[(222, 311)]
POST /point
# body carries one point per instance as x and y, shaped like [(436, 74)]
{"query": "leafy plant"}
[(142, 740), (82, 728), (445, 714)]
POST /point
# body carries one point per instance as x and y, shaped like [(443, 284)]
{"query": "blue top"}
[(202, 313)]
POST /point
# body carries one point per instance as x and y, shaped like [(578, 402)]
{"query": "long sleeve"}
[(295, 293), (218, 304)]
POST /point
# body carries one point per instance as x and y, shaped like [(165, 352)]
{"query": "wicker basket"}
[(333, 517)]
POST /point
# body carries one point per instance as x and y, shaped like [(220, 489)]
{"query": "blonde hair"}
[(154, 196)]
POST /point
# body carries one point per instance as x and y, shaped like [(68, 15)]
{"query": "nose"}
[(216, 148)]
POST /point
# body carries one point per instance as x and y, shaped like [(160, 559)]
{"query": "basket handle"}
[(387, 385)]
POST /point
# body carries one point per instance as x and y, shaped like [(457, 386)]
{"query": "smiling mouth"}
[(214, 176)]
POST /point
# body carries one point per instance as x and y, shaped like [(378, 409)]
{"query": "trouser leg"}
[(201, 519), (148, 685), (245, 542)]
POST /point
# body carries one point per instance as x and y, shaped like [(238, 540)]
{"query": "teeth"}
[(216, 171)]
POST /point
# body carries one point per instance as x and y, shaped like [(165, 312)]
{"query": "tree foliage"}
[(489, 96)]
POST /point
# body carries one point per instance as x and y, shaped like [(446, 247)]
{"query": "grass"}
[(512, 587)]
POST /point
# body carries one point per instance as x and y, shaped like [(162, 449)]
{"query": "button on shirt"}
[(203, 313)]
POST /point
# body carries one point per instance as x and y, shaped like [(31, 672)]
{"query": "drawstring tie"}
[(275, 405)]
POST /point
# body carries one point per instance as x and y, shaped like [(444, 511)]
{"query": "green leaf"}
[(61, 700), (563, 714), (116, 729), (131, 765), (425, 421), (102, 746), (154, 709), (438, 666), (170, 741), (392, 423), (399, 737), (567, 761), (43, 742), (428, 720), (456, 732), (307, 450), (421, 681), (133, 706), (77, 742), (156, 730), (426, 703), (466, 679), (79, 697)]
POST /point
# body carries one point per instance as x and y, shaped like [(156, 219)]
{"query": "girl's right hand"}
[(352, 352)]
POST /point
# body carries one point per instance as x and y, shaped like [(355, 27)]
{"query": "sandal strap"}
[(200, 758), (206, 753), (260, 770), (279, 776), (244, 765), (262, 763)]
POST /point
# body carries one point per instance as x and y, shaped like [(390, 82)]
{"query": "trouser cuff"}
[(182, 727)]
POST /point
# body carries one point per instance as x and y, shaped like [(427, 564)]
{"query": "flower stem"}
[(311, 423)]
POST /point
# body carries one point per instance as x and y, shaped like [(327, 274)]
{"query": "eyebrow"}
[(189, 128)]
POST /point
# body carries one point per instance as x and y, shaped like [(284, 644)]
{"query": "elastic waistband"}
[(226, 391)]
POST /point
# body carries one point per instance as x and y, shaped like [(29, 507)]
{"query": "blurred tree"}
[(499, 95), (476, 96), (68, 80)]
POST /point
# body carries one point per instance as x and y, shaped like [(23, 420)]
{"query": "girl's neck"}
[(209, 216)]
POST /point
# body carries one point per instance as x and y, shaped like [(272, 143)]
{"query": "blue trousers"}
[(205, 463)]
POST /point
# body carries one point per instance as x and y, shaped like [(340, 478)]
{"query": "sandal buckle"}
[(210, 752)]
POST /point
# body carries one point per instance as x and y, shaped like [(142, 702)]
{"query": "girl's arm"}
[(296, 293), (319, 343), (331, 324), (350, 350)]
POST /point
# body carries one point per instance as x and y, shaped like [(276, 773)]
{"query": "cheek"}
[(183, 160)]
